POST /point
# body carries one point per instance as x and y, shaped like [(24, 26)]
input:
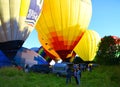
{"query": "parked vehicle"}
[(41, 68), (61, 68)]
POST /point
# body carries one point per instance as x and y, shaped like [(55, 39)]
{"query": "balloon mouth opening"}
[(63, 54), (10, 48)]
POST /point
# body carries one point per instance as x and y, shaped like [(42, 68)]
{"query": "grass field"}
[(102, 76)]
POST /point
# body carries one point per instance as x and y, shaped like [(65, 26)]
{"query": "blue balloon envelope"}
[(4, 61), (26, 56)]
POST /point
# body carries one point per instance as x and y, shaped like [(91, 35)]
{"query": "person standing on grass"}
[(69, 75), (78, 75), (75, 75)]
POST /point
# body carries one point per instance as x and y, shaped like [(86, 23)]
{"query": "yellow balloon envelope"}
[(88, 45), (63, 22)]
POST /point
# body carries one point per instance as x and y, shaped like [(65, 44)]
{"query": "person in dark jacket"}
[(77, 75), (69, 75)]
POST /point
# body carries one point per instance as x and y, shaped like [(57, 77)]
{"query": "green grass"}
[(102, 76)]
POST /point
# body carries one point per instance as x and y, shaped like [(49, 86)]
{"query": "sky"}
[(105, 21)]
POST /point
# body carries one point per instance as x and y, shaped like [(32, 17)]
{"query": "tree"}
[(109, 51)]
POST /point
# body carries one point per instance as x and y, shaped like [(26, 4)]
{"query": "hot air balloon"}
[(29, 57), (63, 23), (88, 45), (17, 19), (43, 53)]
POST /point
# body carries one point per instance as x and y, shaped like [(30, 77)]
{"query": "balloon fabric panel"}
[(49, 50)]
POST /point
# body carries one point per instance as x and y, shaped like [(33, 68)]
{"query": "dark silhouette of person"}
[(69, 75), (77, 75)]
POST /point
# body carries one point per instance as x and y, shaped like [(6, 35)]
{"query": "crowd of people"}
[(76, 73)]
